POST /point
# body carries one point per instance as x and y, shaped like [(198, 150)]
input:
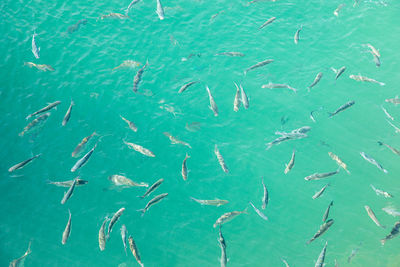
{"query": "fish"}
[(387, 113), (265, 198), (337, 10), (175, 140), (236, 101), (262, 215), (285, 262), (342, 108), (353, 253), (323, 228), (215, 15), (395, 231), (83, 160), (231, 54), (193, 126), (360, 78), (160, 10), (339, 161), (371, 214), (68, 114), (243, 98), (220, 159), (397, 129), (278, 86), (76, 26), (259, 64), (23, 163), (381, 192), (326, 214), (42, 67), (130, 6), (81, 145), (279, 140), (138, 77), (228, 216), (184, 168), (213, 105), (153, 201), (374, 51), (123, 236), (134, 250), (35, 48), (395, 100), (394, 150), (68, 194), (213, 202), (120, 180), (377, 61), (391, 211), (290, 165), (316, 80), (114, 15), (317, 176), (269, 21), (338, 72), (297, 35), (321, 257), (140, 149), (46, 108), (102, 236), (19, 261), (114, 220), (152, 188), (320, 192), (127, 64), (131, 125), (67, 230), (190, 56), (186, 86), (170, 109), (373, 161), (222, 244), (68, 183)]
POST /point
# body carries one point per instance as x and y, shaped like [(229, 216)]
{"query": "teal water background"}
[(178, 231)]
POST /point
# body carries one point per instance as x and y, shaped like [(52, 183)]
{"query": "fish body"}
[(160, 10), (35, 48), (317, 176), (269, 21), (68, 114), (397, 129), (243, 98), (236, 101), (374, 51), (395, 100), (265, 195), (213, 202), (120, 180), (130, 6), (186, 86), (102, 236), (79, 147), (114, 15), (387, 113), (83, 160), (360, 78), (377, 61), (372, 215), (339, 72), (153, 201), (68, 183), (391, 211), (138, 77), (19, 261), (320, 192), (23, 163), (140, 149), (46, 108), (67, 230), (381, 192), (373, 161), (213, 105), (316, 80), (297, 35), (113, 220), (342, 108), (220, 159), (76, 26), (127, 64), (134, 250), (262, 215), (131, 125), (123, 235), (395, 231), (285, 262), (259, 64), (337, 10), (338, 161), (231, 54), (278, 86), (226, 217), (152, 188), (175, 140), (193, 126), (326, 214), (290, 165), (184, 168), (394, 150), (321, 257), (222, 244), (353, 253), (42, 67), (68, 194), (324, 227)]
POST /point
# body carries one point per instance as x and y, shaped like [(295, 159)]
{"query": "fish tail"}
[(380, 143), (330, 114)]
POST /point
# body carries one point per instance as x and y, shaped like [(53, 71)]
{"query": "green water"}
[(178, 231)]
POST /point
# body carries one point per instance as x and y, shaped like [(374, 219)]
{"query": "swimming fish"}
[(395, 100), (397, 129), (321, 257), (68, 183), (213, 202), (67, 230), (120, 180), (373, 161), (323, 228), (83, 160), (316, 80), (380, 192), (290, 165), (46, 108), (337, 10), (76, 26), (23, 163), (114, 15), (387, 113), (353, 253), (42, 67), (269, 21), (277, 86), (215, 15), (226, 217), (285, 262), (35, 48), (394, 150), (138, 77), (123, 236), (320, 192), (213, 105), (131, 125), (79, 147), (20, 260), (113, 220), (338, 72), (391, 211), (127, 64), (102, 236), (193, 126), (371, 214), (236, 101), (377, 61), (259, 64), (220, 159), (297, 35), (393, 233), (265, 195), (374, 51), (365, 79), (184, 168), (68, 114), (341, 108), (152, 188), (130, 6), (326, 214), (160, 10), (317, 176), (243, 98), (222, 244), (231, 54), (186, 86), (155, 200), (175, 140), (140, 149), (262, 215), (134, 250), (68, 194)]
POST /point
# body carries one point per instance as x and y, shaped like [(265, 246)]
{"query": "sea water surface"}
[(178, 231)]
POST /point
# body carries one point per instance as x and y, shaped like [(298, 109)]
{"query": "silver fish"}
[(387, 113), (213, 105), (269, 21), (67, 230), (395, 231), (243, 98), (259, 64), (278, 86), (152, 188), (374, 51), (360, 78), (114, 15), (68, 194), (68, 114), (130, 6), (213, 202), (155, 200), (391, 211), (397, 129), (297, 35), (290, 165), (262, 215), (41, 119), (395, 100), (131, 125), (320, 192), (123, 236), (323, 228), (83, 160), (184, 168), (113, 220), (236, 101), (127, 64), (321, 257), (381, 192), (316, 80), (140, 149), (337, 10), (19, 261), (46, 108), (134, 250), (138, 77), (394, 150), (317, 176), (68, 183), (175, 140), (326, 214), (265, 198), (338, 72), (373, 161), (23, 163), (226, 217), (82, 144), (220, 159), (372, 215), (160, 10), (231, 54), (42, 67), (339, 161), (35, 48), (102, 236), (222, 244), (186, 86), (341, 108), (120, 180), (285, 262)]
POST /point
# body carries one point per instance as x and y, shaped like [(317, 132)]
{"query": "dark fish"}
[(186, 86), (138, 77), (34, 123), (377, 60), (321, 230), (316, 80), (152, 188), (46, 108), (22, 164), (338, 72), (155, 200), (67, 230), (134, 250), (231, 54), (393, 233), (102, 236), (394, 150), (265, 195), (113, 220), (79, 147), (83, 160), (326, 214), (373, 161), (68, 114), (321, 257), (296, 35), (320, 192), (68, 194), (184, 168), (317, 176), (341, 108), (76, 26), (259, 64)]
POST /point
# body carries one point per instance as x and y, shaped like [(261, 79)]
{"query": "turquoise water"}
[(178, 231)]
